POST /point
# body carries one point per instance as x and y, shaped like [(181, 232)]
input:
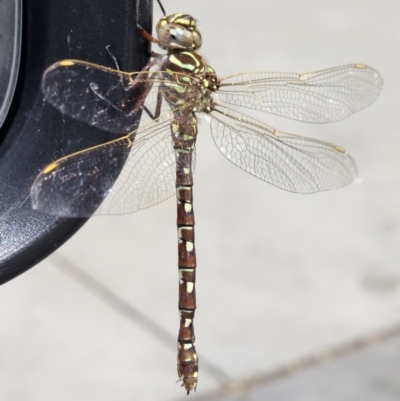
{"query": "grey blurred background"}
[(281, 277)]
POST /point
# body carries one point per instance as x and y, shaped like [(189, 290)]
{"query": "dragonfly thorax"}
[(188, 80), (178, 31)]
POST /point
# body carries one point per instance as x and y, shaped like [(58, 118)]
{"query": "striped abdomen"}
[(184, 132)]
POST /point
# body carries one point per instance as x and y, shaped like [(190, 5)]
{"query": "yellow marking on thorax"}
[(190, 54), (185, 78), (175, 86), (210, 69), (177, 62)]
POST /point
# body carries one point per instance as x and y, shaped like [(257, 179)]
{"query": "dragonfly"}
[(141, 166)]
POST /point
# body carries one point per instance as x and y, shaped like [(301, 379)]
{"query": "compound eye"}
[(175, 36)]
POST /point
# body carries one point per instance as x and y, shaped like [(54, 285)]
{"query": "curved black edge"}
[(35, 134)]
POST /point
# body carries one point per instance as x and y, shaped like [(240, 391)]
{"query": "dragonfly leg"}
[(157, 112), (148, 82)]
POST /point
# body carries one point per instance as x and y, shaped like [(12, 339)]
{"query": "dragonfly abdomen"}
[(184, 133)]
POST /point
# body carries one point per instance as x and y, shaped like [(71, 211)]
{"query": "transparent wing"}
[(76, 185), (315, 97), (96, 95), (108, 99), (148, 176), (290, 162)]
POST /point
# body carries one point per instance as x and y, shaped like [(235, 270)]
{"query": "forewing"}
[(96, 95), (290, 162), (76, 185), (315, 97)]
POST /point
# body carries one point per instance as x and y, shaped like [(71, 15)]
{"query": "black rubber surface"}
[(34, 133)]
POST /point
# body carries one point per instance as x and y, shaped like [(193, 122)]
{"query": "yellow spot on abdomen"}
[(189, 287), (189, 246), (188, 207)]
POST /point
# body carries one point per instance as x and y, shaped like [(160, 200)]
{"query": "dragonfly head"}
[(178, 32)]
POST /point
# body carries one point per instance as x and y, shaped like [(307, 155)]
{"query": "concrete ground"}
[(281, 277)]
